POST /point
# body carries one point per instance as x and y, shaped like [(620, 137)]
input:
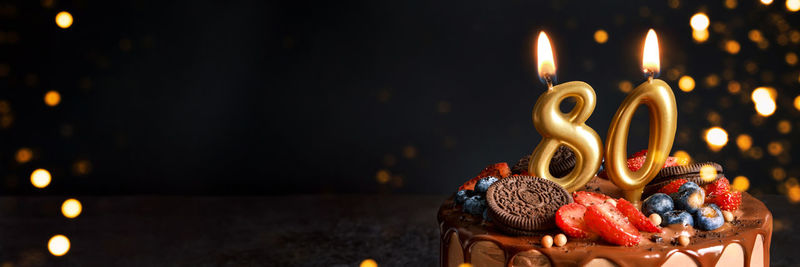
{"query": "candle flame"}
[(650, 61), (544, 56)]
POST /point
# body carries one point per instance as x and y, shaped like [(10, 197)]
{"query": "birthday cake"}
[(689, 216)]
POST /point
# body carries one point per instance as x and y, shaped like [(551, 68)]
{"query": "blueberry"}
[(475, 205), (484, 183), (708, 218), (657, 203), (677, 217), (690, 197), (486, 215), (462, 195)]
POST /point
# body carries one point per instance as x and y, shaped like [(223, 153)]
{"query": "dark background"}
[(283, 97)]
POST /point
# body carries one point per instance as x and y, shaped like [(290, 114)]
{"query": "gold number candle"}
[(660, 102), (568, 129)]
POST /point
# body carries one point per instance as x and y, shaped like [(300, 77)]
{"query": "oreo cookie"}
[(561, 164), (521, 205), (689, 172)]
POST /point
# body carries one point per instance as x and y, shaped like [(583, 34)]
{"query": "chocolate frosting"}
[(752, 219)]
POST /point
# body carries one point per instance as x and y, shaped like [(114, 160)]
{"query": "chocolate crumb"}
[(656, 238)]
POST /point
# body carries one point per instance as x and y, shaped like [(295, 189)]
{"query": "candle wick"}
[(650, 75), (549, 81)]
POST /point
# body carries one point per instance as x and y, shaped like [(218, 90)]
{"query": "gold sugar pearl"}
[(560, 240), (547, 241), (655, 218), (727, 215), (684, 240)]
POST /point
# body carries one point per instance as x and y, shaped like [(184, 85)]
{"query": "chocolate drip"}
[(753, 219)]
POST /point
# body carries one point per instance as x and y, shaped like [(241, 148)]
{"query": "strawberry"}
[(636, 217), (499, 170), (589, 198), (673, 186), (570, 219), (718, 187), (673, 161), (608, 222), (635, 163), (729, 201), (639, 154)]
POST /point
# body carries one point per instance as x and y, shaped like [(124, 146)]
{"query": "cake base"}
[(742, 242)]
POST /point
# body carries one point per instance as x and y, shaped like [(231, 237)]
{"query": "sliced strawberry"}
[(635, 163), (570, 219), (499, 170), (641, 153), (636, 217), (589, 198), (608, 222), (729, 201), (718, 187), (673, 186)]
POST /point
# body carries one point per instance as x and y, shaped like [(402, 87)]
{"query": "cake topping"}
[(569, 218), (729, 201), (521, 204), (499, 170), (608, 222), (708, 218), (560, 165), (636, 217), (589, 198), (690, 197), (689, 172)]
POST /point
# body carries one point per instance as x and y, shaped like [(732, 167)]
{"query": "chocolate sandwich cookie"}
[(561, 164), (520, 205), (689, 172)]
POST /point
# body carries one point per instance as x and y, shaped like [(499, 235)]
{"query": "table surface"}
[(310, 230)]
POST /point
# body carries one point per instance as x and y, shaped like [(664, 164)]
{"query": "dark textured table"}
[(320, 230)]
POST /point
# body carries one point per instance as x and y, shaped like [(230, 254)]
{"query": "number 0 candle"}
[(568, 129), (660, 102)]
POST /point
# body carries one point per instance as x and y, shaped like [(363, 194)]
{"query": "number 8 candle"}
[(568, 129), (660, 101)]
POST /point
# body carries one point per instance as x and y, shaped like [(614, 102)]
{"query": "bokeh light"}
[(708, 173), (764, 100), (626, 87), (716, 138), (600, 36), (784, 126), (71, 208), (52, 98), (744, 142), (797, 102), (40, 178), (766, 2), (24, 155), (774, 148), (700, 36), (732, 46), (791, 58), (755, 36), (58, 245), (686, 83), (368, 263), (682, 157), (740, 183), (383, 176), (465, 265), (793, 5), (699, 22), (64, 19)]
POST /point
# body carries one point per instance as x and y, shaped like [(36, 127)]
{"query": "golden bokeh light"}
[(744, 142), (797, 102), (764, 99), (465, 265), (626, 87), (601, 36), (686, 83), (708, 173), (71, 208), (732, 46), (784, 126), (58, 245), (730, 4), (740, 183), (40, 178), (699, 22), (368, 263), (24, 155), (712, 80), (791, 58), (734, 87), (64, 19), (700, 36), (766, 2), (793, 193), (410, 152), (682, 157), (774, 148), (778, 173), (52, 98), (716, 138), (755, 36), (766, 108), (793, 5), (383, 176)]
